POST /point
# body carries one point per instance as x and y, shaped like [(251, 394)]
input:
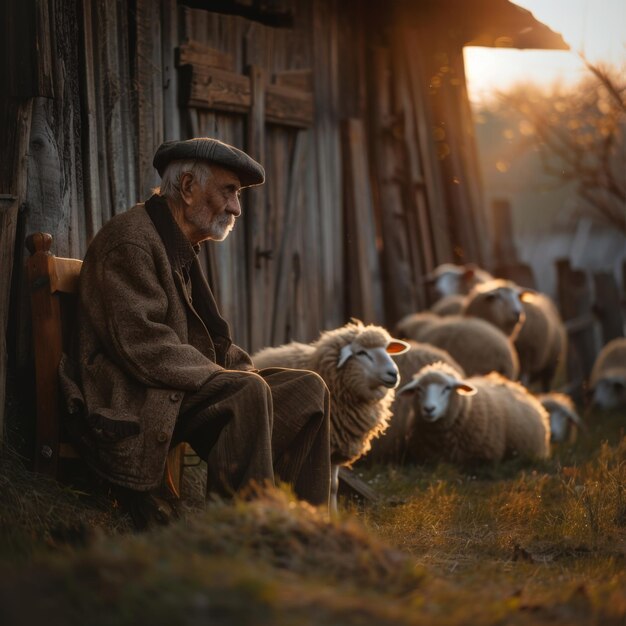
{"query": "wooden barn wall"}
[(442, 70), (279, 276), (357, 205)]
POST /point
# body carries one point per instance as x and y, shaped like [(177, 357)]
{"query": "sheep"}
[(564, 419), (391, 447), (478, 346), (499, 302), (530, 318), (354, 361), (482, 419), (608, 376), (448, 305), (448, 279)]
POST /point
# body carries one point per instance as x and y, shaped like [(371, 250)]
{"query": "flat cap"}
[(214, 151)]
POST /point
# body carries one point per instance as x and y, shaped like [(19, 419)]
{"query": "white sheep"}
[(448, 278), (528, 317), (608, 375), (482, 419), (478, 346), (391, 447), (355, 363), (497, 301), (564, 419), (541, 343)]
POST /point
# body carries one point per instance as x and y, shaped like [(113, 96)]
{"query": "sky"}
[(595, 27)]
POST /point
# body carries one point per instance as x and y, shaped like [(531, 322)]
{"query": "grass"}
[(520, 543)]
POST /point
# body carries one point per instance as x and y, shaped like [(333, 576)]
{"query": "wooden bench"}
[(53, 283)]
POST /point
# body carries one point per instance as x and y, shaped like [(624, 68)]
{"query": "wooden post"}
[(608, 306), (574, 295), (504, 251)]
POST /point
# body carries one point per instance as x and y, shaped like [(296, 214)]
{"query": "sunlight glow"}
[(596, 28)]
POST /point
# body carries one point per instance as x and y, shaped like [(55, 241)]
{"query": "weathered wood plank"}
[(198, 53), (363, 275), (91, 156), (288, 106), (13, 194), (302, 80), (210, 88), (149, 72), (388, 157), (171, 112), (287, 283), (256, 202)]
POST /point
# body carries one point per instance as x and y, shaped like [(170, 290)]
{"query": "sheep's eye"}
[(364, 353), (447, 389)]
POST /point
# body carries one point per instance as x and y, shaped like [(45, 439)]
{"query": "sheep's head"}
[(433, 389), (449, 279), (500, 303), (610, 391), (356, 360), (369, 354), (563, 416)]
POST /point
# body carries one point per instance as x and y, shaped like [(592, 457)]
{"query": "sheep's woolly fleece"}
[(358, 413), (500, 420)]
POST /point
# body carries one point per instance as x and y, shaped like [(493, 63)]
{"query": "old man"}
[(155, 362)]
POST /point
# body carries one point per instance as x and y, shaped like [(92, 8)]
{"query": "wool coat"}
[(141, 346)]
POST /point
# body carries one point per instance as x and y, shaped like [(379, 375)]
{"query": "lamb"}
[(392, 446), (449, 279), (482, 419), (478, 346), (564, 419), (354, 361), (608, 376)]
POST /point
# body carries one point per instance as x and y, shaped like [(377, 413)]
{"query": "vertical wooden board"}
[(118, 129), (91, 156), (255, 240), (409, 55), (170, 27), (328, 160), (149, 81), (288, 280), (399, 282), (311, 262), (19, 116), (360, 227)]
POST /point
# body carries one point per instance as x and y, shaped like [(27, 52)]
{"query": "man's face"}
[(210, 210)]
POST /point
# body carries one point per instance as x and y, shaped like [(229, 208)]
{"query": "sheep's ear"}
[(465, 389), (526, 294), (407, 390), (344, 355), (469, 271), (397, 346), (574, 418)]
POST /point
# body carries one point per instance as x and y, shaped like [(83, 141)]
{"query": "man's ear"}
[(186, 183)]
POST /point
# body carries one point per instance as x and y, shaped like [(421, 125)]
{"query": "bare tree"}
[(580, 133)]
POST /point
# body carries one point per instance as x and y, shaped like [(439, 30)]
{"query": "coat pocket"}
[(112, 426)]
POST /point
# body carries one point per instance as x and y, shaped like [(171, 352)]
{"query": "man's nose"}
[(234, 207)]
